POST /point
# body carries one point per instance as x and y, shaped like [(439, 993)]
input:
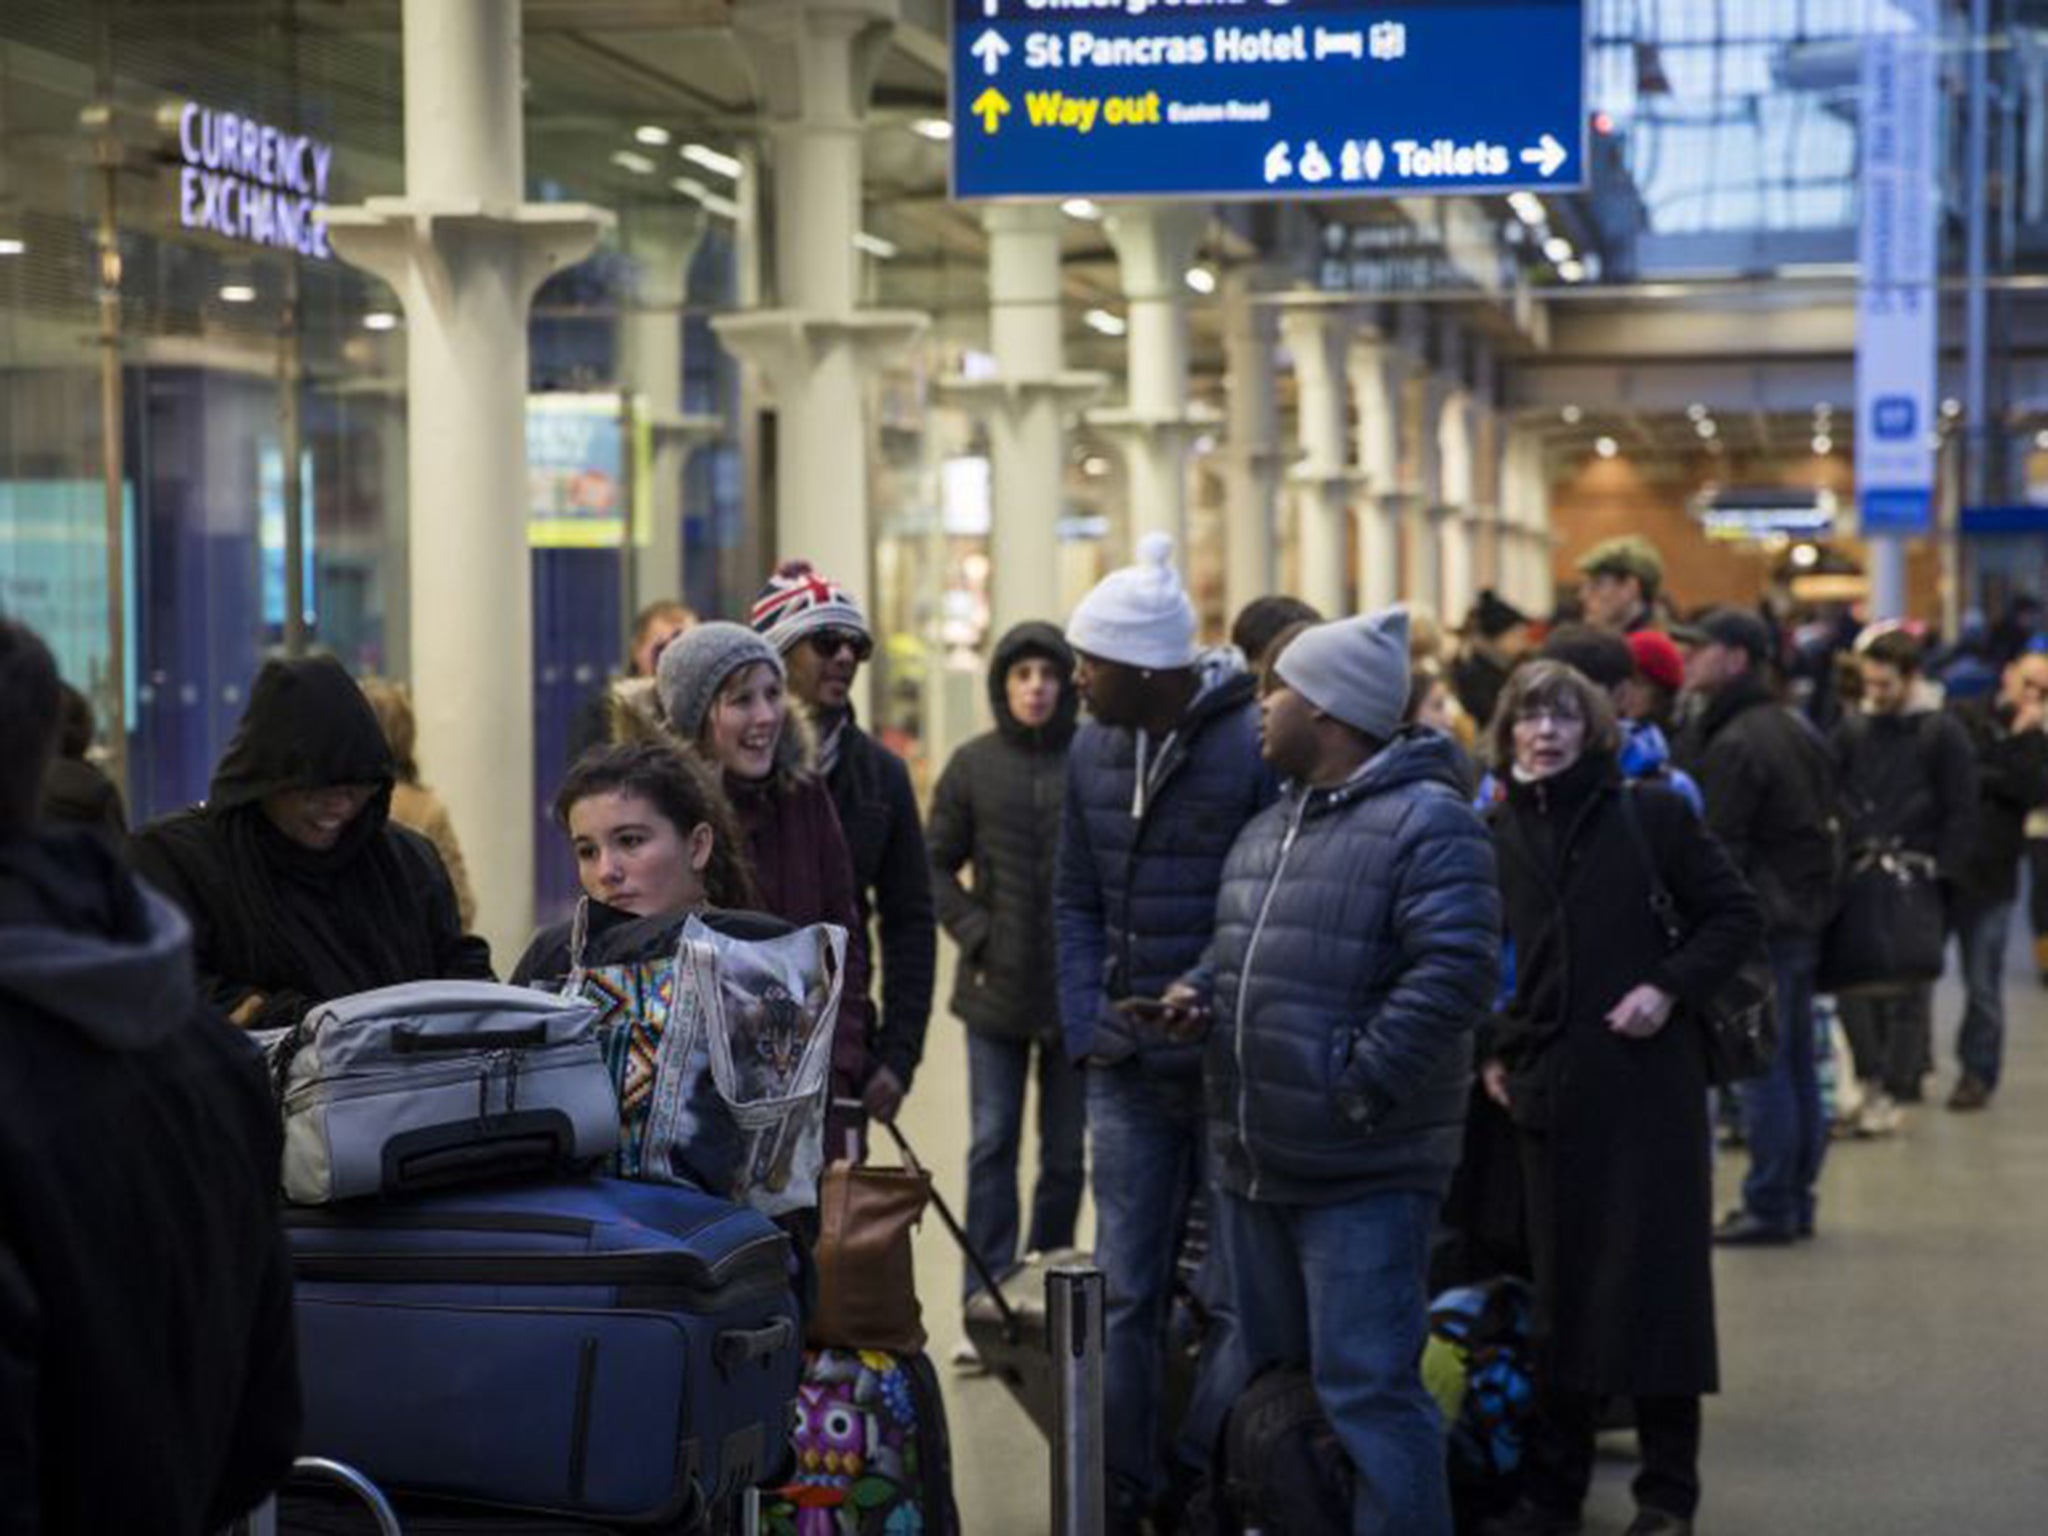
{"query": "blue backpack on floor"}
[(1478, 1366)]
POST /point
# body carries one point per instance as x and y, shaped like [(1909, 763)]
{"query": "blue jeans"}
[(1781, 1111), (1980, 932), (1148, 1154), (1344, 1288), (997, 1071)]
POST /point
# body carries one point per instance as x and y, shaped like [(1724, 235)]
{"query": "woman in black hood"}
[(299, 886), (997, 809)]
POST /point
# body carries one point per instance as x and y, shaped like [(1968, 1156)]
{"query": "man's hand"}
[(247, 1009), (1641, 1013), (883, 1095), (1185, 1019), (1493, 1077)]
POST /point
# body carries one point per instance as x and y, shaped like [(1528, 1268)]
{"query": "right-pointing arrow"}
[(1547, 156), (990, 49)]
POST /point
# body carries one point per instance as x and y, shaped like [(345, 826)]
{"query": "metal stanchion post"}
[(1074, 1297)]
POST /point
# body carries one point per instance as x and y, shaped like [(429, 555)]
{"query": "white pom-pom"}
[(1156, 549)]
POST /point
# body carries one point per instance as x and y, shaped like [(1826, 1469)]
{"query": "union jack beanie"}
[(798, 601)]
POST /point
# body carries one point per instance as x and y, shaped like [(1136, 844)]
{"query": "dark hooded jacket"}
[(1357, 945), (290, 925), (1134, 896), (148, 1377), (997, 808), (2012, 781), (892, 886)]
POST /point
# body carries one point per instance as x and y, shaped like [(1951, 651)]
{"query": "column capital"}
[(1008, 399), (787, 345), (1023, 219), (399, 238), (814, 62), (1155, 244), (1130, 427)]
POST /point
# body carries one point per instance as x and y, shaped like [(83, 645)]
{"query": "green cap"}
[(1629, 555)]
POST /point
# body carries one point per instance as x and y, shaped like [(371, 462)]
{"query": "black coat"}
[(2012, 780), (288, 926), (997, 808), (1615, 1130), (76, 794), (148, 1378), (1910, 778), (893, 886), (1769, 784)]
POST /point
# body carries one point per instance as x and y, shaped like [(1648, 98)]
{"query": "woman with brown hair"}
[(413, 804), (1603, 1068)]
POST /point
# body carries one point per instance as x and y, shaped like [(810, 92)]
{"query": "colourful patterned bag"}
[(872, 1454)]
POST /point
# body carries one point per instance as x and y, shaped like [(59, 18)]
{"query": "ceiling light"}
[(1823, 445), (1528, 207), (713, 161), (1557, 248), (380, 320), (1951, 407), (1696, 411), (707, 199), (1201, 279), (937, 129), (874, 245), (1572, 415), (12, 247), (1095, 466), (1606, 447), (1103, 321), (632, 160), (1573, 271), (1080, 208), (2041, 441), (1805, 556), (237, 293), (1823, 410), (649, 134), (1705, 427)]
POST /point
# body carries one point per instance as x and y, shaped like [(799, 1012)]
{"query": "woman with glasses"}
[(722, 691), (1604, 1072)]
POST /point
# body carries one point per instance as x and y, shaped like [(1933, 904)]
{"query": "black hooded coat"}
[(147, 1361), (287, 925), (997, 808)]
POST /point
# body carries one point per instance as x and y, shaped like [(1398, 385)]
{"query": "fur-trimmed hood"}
[(633, 712)]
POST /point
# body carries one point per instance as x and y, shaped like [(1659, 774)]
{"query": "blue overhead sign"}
[(1266, 98)]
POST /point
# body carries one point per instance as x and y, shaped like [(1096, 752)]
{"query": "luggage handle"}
[(743, 1346), (1012, 1327), (415, 1041)]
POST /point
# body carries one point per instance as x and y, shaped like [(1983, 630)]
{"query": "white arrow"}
[(1547, 156), (990, 49)]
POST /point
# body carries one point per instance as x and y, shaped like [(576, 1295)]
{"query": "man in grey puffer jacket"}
[(1357, 943)]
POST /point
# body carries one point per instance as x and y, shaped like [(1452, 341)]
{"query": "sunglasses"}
[(830, 642)]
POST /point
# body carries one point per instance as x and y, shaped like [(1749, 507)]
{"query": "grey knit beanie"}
[(695, 665), (1353, 669)]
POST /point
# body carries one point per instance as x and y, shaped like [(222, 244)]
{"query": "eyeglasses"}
[(1537, 714), (830, 642)]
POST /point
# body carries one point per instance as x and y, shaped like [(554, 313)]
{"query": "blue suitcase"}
[(615, 1351)]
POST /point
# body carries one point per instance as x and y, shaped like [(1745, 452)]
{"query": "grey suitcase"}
[(440, 1082)]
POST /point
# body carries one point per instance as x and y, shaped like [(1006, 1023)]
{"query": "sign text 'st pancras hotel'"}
[(1265, 98)]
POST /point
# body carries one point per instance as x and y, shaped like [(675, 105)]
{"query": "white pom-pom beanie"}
[(1140, 615)]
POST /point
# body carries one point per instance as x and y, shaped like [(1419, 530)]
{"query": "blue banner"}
[(1266, 98)]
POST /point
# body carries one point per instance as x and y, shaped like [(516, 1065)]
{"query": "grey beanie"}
[(695, 665), (1353, 669)]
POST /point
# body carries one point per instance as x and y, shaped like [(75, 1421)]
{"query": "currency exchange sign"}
[(1266, 98)]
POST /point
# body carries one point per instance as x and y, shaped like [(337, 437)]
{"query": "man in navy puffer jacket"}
[(1357, 939), (1158, 785)]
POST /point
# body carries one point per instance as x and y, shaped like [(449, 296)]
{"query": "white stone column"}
[(1488, 538), (1379, 375), (1318, 336), (1525, 499), (1155, 242), (465, 254), (1251, 447), (1027, 405), (662, 240), (813, 63)]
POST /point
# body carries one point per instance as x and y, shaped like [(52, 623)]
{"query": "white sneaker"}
[(1880, 1115), (966, 1359)]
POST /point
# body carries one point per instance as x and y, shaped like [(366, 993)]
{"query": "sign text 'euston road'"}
[(1265, 98)]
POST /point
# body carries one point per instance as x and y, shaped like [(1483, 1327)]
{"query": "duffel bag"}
[(1891, 928), (440, 1082), (598, 1349)]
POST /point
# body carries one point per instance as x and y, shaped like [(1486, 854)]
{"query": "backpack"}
[(1479, 1366), (1284, 1470)]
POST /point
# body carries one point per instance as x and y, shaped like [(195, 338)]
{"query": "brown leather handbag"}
[(867, 1277)]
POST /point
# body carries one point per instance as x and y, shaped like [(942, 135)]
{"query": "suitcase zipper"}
[(755, 1267)]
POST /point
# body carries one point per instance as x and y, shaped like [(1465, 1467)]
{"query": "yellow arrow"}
[(991, 106)]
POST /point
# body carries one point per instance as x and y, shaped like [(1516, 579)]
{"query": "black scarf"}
[(323, 922)]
